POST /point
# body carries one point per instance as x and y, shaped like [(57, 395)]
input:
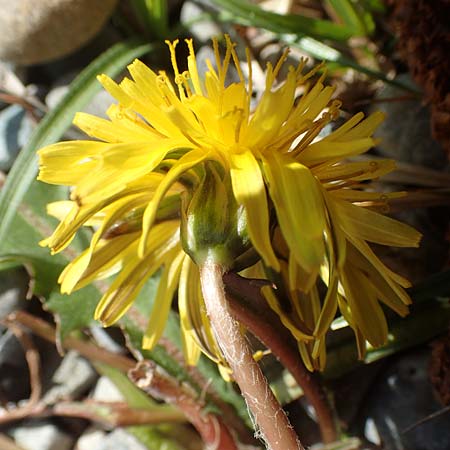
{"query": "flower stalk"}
[(248, 307), (269, 418)]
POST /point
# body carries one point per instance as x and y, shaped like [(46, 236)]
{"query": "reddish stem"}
[(248, 306), (269, 418), (153, 380)]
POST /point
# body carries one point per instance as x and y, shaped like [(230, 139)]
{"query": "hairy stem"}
[(249, 307), (270, 419)]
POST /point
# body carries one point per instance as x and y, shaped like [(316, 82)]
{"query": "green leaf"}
[(324, 52), (29, 226), (377, 6), (245, 13), (352, 16), (74, 311), (426, 320), (154, 16), (436, 285), (55, 123)]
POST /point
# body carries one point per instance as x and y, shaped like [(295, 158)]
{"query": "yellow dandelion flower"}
[(155, 151)]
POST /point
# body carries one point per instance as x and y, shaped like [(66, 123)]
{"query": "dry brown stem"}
[(153, 380), (88, 350)]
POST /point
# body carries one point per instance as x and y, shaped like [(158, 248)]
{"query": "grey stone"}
[(120, 439), (10, 82), (97, 106), (13, 291), (36, 32), (73, 377), (15, 130), (405, 133), (403, 396), (106, 391), (14, 379), (91, 439), (41, 436), (103, 337), (200, 27)]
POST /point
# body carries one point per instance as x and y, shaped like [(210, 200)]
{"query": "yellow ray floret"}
[(308, 213)]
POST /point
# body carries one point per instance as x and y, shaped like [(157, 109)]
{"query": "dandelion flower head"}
[(307, 216)]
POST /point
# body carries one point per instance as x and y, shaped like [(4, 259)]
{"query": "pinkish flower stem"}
[(269, 418)]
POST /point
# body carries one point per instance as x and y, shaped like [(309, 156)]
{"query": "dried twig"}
[(109, 415), (88, 350), (426, 419), (153, 380), (228, 413), (33, 361), (116, 414)]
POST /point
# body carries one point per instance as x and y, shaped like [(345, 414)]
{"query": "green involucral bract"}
[(213, 225)]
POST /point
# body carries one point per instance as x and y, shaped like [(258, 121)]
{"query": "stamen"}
[(317, 127), (192, 66), (269, 76), (235, 58), (186, 77), (250, 80), (216, 53), (280, 63), (161, 82), (312, 72), (240, 113), (179, 81), (173, 60), (300, 66), (226, 62)]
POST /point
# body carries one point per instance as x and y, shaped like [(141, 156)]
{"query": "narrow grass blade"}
[(245, 13), (354, 17), (153, 16), (324, 52)]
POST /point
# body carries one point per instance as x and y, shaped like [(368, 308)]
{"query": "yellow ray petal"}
[(297, 330), (385, 282), (67, 162), (249, 191), (356, 171), (264, 124), (373, 227), (122, 164), (328, 310), (130, 280), (188, 289), (366, 127), (94, 265), (323, 150), (365, 308), (108, 131), (160, 312), (300, 209), (185, 163), (352, 195)]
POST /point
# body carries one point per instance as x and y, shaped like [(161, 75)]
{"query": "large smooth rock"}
[(35, 32)]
